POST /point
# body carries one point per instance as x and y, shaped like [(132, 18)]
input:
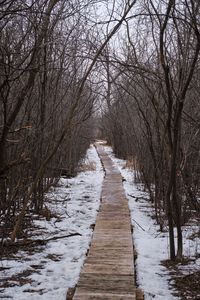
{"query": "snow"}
[(56, 266)]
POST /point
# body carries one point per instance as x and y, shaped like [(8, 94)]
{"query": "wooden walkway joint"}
[(108, 272)]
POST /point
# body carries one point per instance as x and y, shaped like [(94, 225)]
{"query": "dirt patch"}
[(54, 257), (70, 293), (187, 286), (17, 279)]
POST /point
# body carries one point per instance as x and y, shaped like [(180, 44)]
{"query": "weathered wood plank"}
[(107, 268), (103, 296), (108, 260)]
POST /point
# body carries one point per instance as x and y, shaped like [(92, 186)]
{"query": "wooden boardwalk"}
[(108, 272)]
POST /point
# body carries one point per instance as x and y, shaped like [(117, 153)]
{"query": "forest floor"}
[(51, 263)]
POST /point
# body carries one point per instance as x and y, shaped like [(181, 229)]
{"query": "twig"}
[(138, 224), (43, 242), (138, 198), (132, 196)]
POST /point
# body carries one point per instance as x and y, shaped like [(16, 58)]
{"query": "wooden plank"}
[(106, 268), (108, 260), (103, 296), (108, 272)]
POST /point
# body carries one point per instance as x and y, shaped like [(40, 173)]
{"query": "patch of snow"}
[(56, 267)]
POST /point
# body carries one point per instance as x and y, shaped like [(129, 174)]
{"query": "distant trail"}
[(108, 272)]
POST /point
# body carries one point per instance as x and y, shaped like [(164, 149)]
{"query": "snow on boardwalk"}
[(108, 272)]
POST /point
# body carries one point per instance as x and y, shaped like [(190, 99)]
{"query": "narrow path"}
[(108, 272)]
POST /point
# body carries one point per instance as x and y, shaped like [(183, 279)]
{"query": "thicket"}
[(44, 129)]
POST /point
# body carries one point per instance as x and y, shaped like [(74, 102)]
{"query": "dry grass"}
[(87, 166), (131, 163)]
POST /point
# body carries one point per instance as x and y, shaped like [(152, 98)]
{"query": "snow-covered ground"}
[(50, 270), (152, 246)]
